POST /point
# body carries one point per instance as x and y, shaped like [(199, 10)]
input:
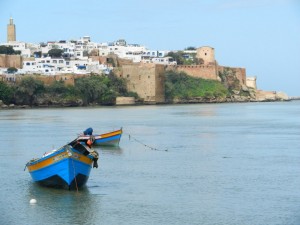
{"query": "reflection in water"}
[(62, 205), (109, 149), (229, 163)]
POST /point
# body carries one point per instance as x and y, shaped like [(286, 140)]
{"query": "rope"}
[(152, 148), (74, 175)]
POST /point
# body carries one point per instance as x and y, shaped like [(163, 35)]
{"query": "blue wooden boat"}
[(68, 167), (107, 139)]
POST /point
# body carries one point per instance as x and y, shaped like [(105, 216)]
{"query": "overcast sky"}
[(261, 35)]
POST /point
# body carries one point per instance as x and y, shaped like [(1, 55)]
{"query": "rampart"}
[(240, 73), (47, 80), (147, 80), (251, 82), (7, 61), (200, 71)]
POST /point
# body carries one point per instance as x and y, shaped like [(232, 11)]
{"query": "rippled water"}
[(226, 164)]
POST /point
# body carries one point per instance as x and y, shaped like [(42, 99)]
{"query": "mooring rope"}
[(152, 148)]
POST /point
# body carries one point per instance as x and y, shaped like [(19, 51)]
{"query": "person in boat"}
[(94, 153), (88, 131)]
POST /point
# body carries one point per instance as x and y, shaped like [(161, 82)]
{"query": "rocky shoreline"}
[(196, 100)]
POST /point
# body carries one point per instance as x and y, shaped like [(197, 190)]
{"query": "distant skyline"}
[(261, 35)]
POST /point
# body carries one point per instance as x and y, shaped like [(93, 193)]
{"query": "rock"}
[(245, 88), (264, 96), (236, 92), (24, 106), (282, 96)]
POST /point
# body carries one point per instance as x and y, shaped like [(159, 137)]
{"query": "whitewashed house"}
[(19, 46), (164, 61)]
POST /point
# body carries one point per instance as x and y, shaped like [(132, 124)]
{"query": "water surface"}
[(225, 164)]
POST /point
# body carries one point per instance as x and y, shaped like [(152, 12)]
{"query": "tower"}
[(207, 54), (11, 30)]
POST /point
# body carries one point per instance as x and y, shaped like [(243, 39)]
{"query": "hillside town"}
[(143, 68)]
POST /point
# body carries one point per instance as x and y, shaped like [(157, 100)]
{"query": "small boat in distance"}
[(107, 139), (67, 167)]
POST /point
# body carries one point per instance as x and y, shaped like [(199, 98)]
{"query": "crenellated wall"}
[(47, 80), (200, 71)]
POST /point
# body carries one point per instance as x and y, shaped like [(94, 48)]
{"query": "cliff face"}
[(238, 91)]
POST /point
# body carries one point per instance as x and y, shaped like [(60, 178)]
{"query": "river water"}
[(210, 164)]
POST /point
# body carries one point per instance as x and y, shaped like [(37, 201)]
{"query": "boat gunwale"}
[(59, 151), (38, 160), (60, 161), (105, 135)]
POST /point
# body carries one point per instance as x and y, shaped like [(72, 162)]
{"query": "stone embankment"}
[(257, 96), (262, 96), (44, 104)]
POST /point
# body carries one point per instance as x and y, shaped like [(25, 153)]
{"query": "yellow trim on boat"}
[(57, 158), (114, 133)]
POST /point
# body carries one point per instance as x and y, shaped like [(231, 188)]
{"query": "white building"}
[(19, 46), (164, 61)]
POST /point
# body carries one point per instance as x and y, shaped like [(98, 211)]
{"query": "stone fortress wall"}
[(210, 68), (200, 71), (146, 80), (7, 61)]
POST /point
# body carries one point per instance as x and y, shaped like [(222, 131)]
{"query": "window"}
[(27, 64), (128, 75), (61, 61), (54, 61)]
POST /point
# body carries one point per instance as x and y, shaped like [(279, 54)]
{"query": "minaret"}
[(11, 30)]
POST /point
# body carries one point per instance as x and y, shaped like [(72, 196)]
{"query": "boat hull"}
[(108, 139), (63, 169)]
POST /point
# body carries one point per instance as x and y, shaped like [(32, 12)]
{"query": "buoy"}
[(32, 201)]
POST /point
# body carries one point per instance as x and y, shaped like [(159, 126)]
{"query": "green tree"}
[(55, 53), (28, 90), (118, 84), (8, 50), (90, 88), (6, 93), (177, 56), (190, 48), (57, 87), (101, 89), (12, 70), (181, 86)]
